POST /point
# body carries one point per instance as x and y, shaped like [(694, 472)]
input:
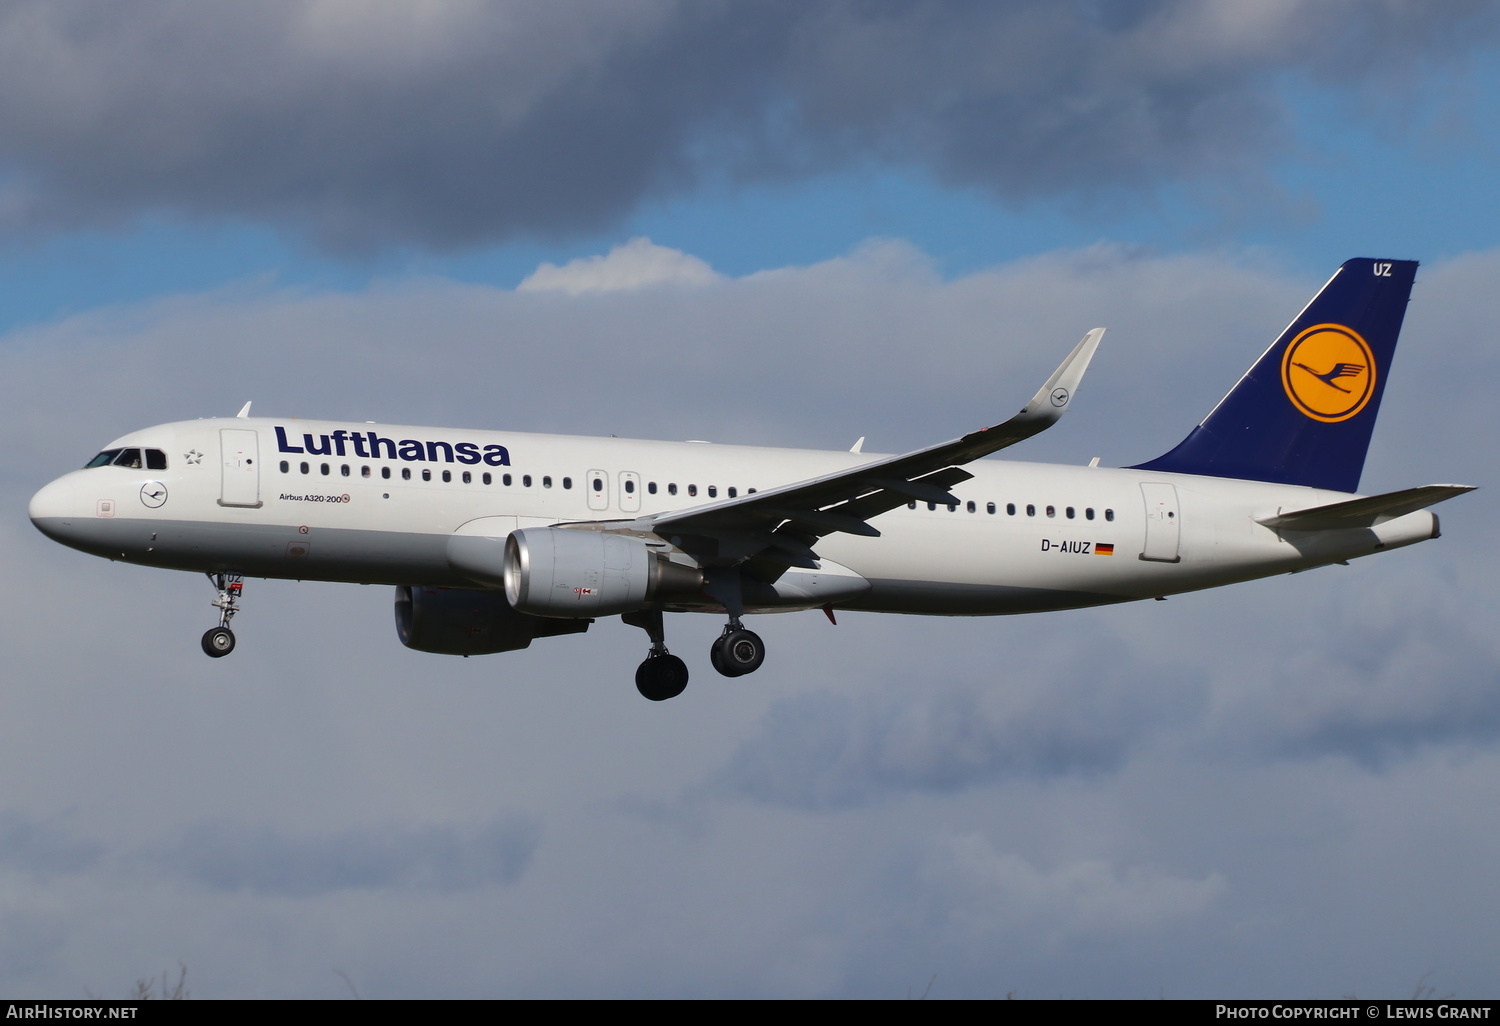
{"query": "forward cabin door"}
[(239, 452), (1163, 524)]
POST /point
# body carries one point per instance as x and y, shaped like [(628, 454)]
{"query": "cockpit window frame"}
[(144, 458), (104, 459)]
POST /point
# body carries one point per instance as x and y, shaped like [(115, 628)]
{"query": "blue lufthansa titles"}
[(369, 445)]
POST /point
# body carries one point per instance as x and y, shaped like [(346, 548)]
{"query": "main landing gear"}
[(737, 651), (662, 676), (219, 641)]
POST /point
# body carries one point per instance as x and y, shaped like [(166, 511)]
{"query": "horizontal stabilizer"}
[(1366, 512)]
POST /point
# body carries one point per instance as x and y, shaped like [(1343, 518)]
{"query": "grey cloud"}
[(1373, 677), (449, 124), (831, 752), (980, 890), (225, 857), (38, 846), (1074, 712)]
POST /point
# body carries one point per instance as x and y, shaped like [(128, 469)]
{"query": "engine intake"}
[(554, 572)]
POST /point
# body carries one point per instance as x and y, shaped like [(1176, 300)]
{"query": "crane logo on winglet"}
[(1328, 372)]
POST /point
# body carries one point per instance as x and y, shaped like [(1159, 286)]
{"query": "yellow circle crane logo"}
[(1328, 372)]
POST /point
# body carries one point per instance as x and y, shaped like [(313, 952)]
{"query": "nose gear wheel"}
[(218, 641)]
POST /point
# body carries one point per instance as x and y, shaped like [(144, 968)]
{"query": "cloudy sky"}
[(770, 223)]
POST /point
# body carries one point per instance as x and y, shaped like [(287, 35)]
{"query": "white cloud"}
[(632, 265)]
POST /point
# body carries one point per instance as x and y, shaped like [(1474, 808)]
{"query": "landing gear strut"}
[(219, 641), (737, 651), (662, 675)]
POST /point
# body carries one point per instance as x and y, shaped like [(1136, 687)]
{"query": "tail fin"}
[(1304, 413)]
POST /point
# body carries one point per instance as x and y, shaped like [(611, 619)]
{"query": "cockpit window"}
[(133, 459)]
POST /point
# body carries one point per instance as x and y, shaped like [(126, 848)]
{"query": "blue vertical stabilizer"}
[(1303, 414)]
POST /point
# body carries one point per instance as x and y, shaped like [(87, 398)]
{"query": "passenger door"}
[(1163, 526), (239, 455)]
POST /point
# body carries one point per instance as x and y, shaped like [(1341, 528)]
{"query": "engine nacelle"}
[(555, 572), (457, 621)]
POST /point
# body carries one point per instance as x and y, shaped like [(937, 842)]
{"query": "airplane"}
[(495, 539)]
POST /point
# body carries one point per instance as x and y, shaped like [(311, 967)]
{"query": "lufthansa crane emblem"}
[(1328, 372)]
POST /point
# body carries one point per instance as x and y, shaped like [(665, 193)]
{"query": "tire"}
[(738, 653), (661, 677), (218, 642)]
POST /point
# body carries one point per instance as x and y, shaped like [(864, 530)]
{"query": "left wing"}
[(777, 528)]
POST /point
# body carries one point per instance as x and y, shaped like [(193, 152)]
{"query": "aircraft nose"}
[(56, 507)]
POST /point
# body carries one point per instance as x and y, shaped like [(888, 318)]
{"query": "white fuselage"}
[(380, 503)]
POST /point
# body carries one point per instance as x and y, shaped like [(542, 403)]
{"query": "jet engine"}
[(555, 572), (457, 621)]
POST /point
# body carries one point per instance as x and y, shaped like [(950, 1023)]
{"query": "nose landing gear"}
[(219, 641)]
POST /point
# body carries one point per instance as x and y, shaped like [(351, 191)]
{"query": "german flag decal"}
[(1104, 548)]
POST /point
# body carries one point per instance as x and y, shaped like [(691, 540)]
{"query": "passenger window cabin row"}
[(506, 480), (156, 459), (1069, 512), (467, 476), (116, 456)]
